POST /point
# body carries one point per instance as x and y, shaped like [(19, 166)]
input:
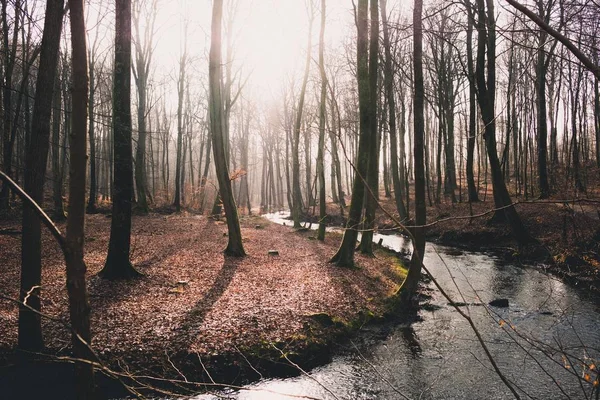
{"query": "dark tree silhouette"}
[(117, 264), (344, 257), (410, 285), (79, 307), (30, 330)]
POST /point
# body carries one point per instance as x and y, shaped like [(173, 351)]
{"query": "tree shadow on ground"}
[(190, 324)]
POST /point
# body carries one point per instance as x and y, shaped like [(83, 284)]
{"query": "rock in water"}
[(503, 303)]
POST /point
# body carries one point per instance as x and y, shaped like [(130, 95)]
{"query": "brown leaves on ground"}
[(193, 298)]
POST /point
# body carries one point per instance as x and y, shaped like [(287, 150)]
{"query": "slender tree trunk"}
[(366, 242), (140, 153), (288, 139), (345, 254), (486, 87), (575, 92), (183, 162), (30, 329), (296, 191), (92, 199), (178, 162), (438, 158), (337, 128), (473, 195), (79, 307), (57, 173), (9, 55), (542, 125), (384, 155), (244, 187), (205, 173), (597, 120), (143, 56), (411, 282), (310, 199), (322, 116), (391, 101)]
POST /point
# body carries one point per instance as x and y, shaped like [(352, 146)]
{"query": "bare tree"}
[(9, 56), (217, 124), (296, 191), (79, 307), (117, 264), (366, 242), (486, 89), (344, 257), (180, 123), (410, 285), (144, 46), (30, 330), (391, 103), (322, 116)]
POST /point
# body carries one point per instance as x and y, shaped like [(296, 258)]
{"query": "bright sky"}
[(270, 35), (270, 38)]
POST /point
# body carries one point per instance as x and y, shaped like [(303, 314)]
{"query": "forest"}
[(309, 199)]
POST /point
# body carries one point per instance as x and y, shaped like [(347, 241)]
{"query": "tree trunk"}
[(205, 173), (117, 264), (597, 120), (217, 123), (79, 307), (389, 92), (296, 191), (336, 129), (409, 287), (58, 213), (310, 199), (140, 154), (178, 162), (371, 199), (10, 49), (92, 199), (143, 56), (486, 89), (30, 330), (322, 116), (473, 196), (344, 257), (542, 125)]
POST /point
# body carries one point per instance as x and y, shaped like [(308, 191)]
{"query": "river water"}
[(541, 342)]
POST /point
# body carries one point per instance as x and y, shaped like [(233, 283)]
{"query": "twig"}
[(387, 381), (204, 368), (249, 363), (174, 367), (299, 368)]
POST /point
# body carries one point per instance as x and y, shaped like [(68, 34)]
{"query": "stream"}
[(540, 342)]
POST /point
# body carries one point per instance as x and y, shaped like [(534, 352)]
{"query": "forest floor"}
[(194, 308), (569, 231)]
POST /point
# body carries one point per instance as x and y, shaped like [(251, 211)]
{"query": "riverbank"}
[(569, 231), (197, 315)]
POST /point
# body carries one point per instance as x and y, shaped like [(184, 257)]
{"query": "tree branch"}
[(37, 209), (589, 64)]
